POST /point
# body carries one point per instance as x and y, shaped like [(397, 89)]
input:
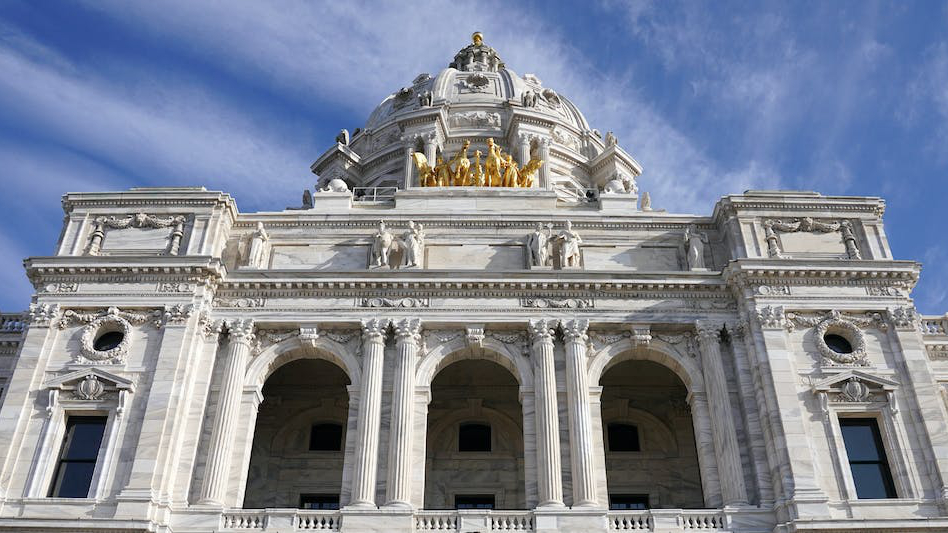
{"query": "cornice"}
[(42, 270), (369, 220), (149, 199), (741, 272), (798, 202)]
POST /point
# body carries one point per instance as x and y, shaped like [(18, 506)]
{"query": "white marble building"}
[(551, 357)]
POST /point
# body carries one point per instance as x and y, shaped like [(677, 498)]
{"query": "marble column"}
[(367, 445), (525, 139), (398, 486), (581, 448), (431, 149), (216, 473), (544, 153), (409, 165), (723, 432), (549, 473)]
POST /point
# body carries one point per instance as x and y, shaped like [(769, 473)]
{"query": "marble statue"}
[(258, 244), (569, 247), (343, 137), (694, 242), (611, 139), (538, 244), (414, 245), (335, 185), (646, 201), (307, 199), (382, 246), (425, 99), (529, 98)]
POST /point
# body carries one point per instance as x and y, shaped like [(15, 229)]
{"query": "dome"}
[(474, 98)]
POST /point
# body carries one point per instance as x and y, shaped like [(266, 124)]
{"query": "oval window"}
[(838, 343), (108, 341)]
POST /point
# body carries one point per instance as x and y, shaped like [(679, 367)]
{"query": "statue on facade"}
[(529, 98), (477, 171), (538, 244), (343, 137), (569, 247), (335, 185), (646, 201), (426, 174), (527, 176), (611, 139), (694, 242), (511, 176), (414, 245), (425, 99), (307, 199), (462, 165), (258, 244), (382, 246), (492, 165)]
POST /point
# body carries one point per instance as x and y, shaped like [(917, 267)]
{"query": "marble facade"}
[(241, 331)]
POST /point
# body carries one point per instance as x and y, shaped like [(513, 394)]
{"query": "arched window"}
[(623, 438), (325, 438), (474, 438)]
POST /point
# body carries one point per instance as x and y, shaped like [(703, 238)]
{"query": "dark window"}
[(326, 502), (77, 456), (623, 438), (474, 501), (628, 502), (474, 438), (867, 460), (325, 438), (838, 343), (108, 340)]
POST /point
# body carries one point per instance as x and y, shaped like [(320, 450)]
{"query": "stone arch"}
[(288, 350), (455, 350), (663, 353)]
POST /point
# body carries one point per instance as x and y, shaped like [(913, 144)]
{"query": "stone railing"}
[(12, 323), (244, 520), (479, 519), (436, 521), (299, 519), (934, 325), (667, 520), (316, 520)]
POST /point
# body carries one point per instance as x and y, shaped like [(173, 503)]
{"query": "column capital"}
[(738, 328), (408, 329), (240, 330), (708, 331), (575, 330), (542, 330), (374, 329)]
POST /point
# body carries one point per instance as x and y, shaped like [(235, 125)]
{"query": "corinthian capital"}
[(373, 329), (542, 330), (240, 330), (575, 330), (408, 329), (708, 331)]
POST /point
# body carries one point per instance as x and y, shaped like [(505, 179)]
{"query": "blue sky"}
[(711, 97)]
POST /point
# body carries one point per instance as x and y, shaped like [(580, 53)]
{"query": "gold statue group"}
[(499, 169)]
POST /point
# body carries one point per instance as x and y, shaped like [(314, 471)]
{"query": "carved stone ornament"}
[(905, 318), (88, 385), (407, 302), (542, 330), (853, 387), (178, 313), (771, 317), (846, 326), (61, 287), (43, 314), (475, 336), (809, 225), (138, 220), (557, 303), (239, 302), (685, 343), (265, 338), (97, 327)]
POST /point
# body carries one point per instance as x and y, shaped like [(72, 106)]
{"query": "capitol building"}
[(475, 321)]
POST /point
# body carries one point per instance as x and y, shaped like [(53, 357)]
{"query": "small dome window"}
[(838, 343), (108, 340)]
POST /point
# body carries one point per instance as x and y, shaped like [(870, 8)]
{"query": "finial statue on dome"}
[(477, 38), (477, 56)]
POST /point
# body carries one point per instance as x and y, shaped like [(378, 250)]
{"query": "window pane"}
[(474, 438), (628, 502), (83, 438), (73, 480), (326, 437), (480, 501), (872, 480), (328, 502), (859, 439), (623, 438)]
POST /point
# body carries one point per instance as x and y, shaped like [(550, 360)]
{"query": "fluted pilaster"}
[(549, 474), (580, 417), (398, 487), (367, 446), (240, 337), (722, 430)]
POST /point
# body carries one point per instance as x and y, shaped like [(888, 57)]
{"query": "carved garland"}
[(849, 327), (112, 319), (809, 225), (138, 220)]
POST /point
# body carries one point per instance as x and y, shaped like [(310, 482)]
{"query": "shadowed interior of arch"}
[(466, 396), (300, 437), (651, 456)]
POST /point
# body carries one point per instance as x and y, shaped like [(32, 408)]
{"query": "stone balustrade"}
[(12, 323), (934, 325), (475, 520)]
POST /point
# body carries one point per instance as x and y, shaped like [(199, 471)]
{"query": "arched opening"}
[(651, 456), (299, 442), (474, 451)]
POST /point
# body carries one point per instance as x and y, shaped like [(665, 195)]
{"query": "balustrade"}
[(12, 323), (934, 325)]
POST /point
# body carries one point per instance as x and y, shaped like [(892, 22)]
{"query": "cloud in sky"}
[(244, 96)]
